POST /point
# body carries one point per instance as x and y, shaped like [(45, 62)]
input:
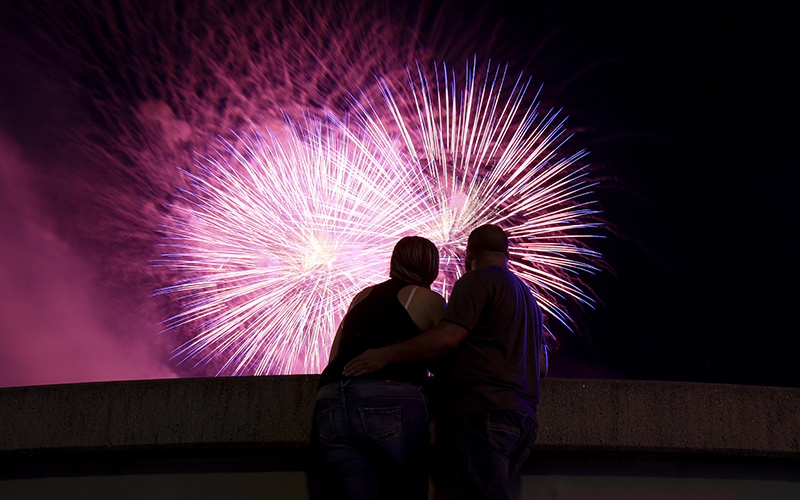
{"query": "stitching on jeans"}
[(387, 433), (327, 438), (504, 429)]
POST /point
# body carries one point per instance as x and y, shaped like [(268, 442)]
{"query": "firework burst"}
[(279, 234), (275, 239), (490, 158), (146, 85)]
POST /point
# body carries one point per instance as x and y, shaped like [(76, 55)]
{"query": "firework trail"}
[(278, 241)]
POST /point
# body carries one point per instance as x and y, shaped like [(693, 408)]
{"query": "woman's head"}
[(415, 260)]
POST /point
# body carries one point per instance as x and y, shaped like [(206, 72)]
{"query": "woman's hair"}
[(415, 260)]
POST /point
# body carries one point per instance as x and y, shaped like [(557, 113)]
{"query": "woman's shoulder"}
[(430, 298), (429, 294), (429, 310)]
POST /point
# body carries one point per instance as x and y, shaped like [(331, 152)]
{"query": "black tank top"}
[(377, 321)]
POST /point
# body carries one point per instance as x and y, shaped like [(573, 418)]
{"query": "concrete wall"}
[(669, 417), (158, 414), (248, 438), (275, 412)]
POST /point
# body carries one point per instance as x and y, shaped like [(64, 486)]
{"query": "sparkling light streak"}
[(277, 237), (278, 234), (492, 159)]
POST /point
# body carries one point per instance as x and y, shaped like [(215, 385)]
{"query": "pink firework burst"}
[(279, 233), (491, 159), (275, 239)]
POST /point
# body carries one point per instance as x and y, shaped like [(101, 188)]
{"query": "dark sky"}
[(691, 117), (699, 107)]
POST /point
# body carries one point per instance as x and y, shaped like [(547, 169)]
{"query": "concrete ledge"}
[(669, 417), (158, 414), (275, 412)]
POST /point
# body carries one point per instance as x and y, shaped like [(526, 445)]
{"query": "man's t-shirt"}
[(497, 366)]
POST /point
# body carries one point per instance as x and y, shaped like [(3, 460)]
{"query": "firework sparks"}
[(276, 239), (259, 234), (490, 159)]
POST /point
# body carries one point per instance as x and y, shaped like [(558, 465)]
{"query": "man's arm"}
[(434, 342)]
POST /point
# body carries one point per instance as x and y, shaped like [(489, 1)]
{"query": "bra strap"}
[(410, 296)]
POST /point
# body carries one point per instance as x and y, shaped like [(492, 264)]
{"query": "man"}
[(493, 327)]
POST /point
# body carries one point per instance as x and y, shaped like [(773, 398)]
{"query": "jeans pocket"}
[(502, 436), (326, 427), (382, 424)]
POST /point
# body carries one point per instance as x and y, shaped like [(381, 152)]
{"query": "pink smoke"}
[(56, 325)]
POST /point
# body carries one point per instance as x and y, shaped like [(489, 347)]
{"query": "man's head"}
[(487, 246), (415, 260)]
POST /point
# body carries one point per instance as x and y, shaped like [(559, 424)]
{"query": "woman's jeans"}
[(373, 438)]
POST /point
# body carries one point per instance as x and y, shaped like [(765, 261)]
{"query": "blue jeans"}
[(487, 449), (373, 439)]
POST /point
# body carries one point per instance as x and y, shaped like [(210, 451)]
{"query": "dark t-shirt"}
[(377, 321), (497, 366)]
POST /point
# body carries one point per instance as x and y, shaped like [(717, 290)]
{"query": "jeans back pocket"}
[(382, 424), (504, 437)]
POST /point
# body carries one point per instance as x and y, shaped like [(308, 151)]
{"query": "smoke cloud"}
[(57, 325)]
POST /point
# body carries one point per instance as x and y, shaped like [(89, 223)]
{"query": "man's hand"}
[(367, 362), (438, 340)]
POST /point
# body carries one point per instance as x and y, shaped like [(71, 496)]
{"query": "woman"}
[(373, 429)]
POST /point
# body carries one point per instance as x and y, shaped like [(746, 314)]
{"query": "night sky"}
[(704, 102), (690, 114)]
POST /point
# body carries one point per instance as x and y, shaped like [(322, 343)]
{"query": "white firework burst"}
[(276, 239), (490, 158), (279, 234)]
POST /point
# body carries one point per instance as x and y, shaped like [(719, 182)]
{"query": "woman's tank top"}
[(377, 321)]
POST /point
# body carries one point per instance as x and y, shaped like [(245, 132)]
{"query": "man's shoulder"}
[(475, 278), (495, 278)]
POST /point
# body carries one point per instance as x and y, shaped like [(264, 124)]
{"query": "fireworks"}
[(279, 233), (268, 238), (276, 239), (491, 159)]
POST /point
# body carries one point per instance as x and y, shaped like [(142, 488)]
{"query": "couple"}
[(371, 415)]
